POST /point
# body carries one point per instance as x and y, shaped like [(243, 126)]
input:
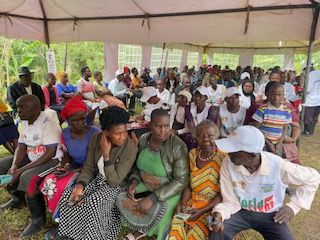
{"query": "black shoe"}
[(33, 227), (306, 134), (12, 203), (38, 216)]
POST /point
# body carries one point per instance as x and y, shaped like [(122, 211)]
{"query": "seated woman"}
[(203, 191), (65, 89), (247, 95), (8, 131), (75, 142), (100, 87), (198, 111), (104, 93), (177, 113), (156, 185), (110, 158), (51, 95)]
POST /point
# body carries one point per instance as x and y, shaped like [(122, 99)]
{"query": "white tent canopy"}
[(244, 27), (206, 23)]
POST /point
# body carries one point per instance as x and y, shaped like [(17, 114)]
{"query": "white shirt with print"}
[(44, 132)]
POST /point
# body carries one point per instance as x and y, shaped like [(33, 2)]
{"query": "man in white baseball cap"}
[(253, 185), (152, 101), (120, 90), (232, 115)]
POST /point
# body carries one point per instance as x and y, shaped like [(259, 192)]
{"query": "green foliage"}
[(15, 53), (33, 55)]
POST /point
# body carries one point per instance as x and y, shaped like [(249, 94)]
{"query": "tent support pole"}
[(314, 24), (45, 24), (65, 58)]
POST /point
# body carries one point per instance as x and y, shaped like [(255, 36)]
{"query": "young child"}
[(273, 118)]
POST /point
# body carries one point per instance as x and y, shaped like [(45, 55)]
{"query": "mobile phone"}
[(142, 194), (183, 216), (59, 172)]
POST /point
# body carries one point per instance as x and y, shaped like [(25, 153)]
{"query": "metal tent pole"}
[(315, 9)]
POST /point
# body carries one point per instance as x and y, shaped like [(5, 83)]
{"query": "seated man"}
[(150, 97), (162, 92), (23, 87), (232, 115), (186, 85), (120, 90), (217, 91), (38, 141), (253, 185)]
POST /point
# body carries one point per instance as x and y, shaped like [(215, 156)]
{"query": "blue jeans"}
[(261, 222)]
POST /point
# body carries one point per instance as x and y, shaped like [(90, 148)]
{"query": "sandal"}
[(131, 236)]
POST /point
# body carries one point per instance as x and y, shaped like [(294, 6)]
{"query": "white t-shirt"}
[(216, 95), (150, 107), (290, 93), (165, 95), (117, 88), (44, 132), (199, 117), (313, 91), (230, 121), (259, 193)]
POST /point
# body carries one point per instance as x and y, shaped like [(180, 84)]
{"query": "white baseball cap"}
[(186, 94), (245, 75), (232, 91), (203, 91), (119, 72), (148, 92), (245, 138)]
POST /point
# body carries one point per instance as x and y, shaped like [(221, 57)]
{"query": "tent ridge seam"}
[(208, 12)]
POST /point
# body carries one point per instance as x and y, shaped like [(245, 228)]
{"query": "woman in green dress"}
[(161, 173)]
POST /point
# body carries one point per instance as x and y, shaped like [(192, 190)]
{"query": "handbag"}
[(6, 119)]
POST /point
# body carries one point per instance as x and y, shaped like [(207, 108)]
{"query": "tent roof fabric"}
[(204, 23)]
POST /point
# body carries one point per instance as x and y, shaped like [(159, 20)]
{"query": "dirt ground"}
[(305, 226)]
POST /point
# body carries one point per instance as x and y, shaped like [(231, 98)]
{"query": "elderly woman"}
[(201, 110), (157, 183), (65, 89), (88, 210), (203, 191), (75, 142), (198, 111), (177, 113)]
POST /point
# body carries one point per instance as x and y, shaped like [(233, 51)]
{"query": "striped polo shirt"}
[(272, 120)]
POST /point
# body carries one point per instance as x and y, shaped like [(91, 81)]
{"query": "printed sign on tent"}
[(51, 62)]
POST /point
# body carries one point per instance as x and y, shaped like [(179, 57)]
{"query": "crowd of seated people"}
[(215, 157)]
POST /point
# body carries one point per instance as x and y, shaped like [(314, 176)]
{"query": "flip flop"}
[(130, 236), (5, 179)]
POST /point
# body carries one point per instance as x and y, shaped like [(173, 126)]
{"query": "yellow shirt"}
[(136, 81), (3, 106)]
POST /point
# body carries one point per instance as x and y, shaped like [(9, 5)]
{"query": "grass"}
[(305, 226)]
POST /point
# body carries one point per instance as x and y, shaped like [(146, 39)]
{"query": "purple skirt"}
[(8, 133)]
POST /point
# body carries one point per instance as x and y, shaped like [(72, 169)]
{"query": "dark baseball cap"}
[(23, 71)]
